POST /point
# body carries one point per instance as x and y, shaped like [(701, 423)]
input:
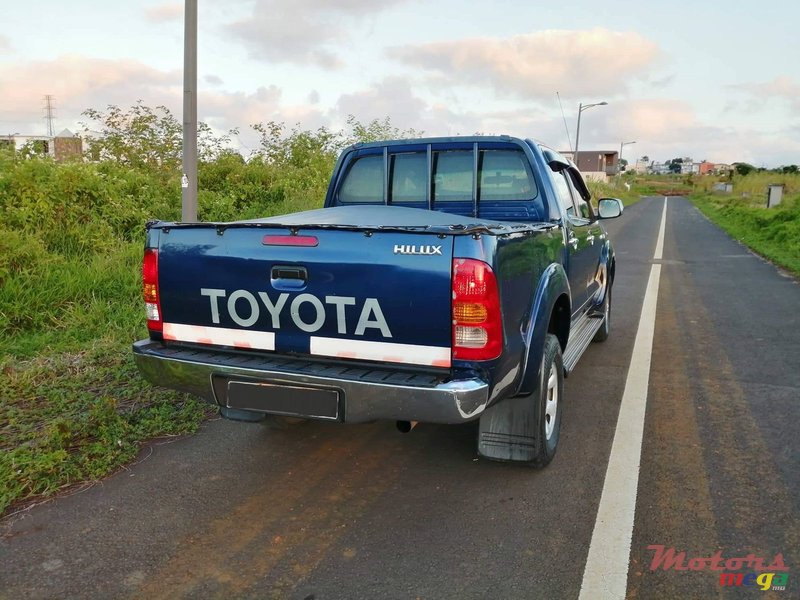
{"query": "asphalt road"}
[(361, 511)]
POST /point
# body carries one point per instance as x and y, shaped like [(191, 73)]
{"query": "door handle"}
[(573, 240), (289, 272)]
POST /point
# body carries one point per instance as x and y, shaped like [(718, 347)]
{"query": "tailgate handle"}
[(289, 272)]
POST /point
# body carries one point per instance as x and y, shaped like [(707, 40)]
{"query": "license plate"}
[(284, 399)]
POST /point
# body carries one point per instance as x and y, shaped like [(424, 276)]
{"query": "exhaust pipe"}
[(406, 426)]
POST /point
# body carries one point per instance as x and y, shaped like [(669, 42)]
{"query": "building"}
[(67, 145), (596, 164), (63, 146), (659, 169), (706, 168), (722, 168)]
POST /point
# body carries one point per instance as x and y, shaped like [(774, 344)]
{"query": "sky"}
[(709, 80)]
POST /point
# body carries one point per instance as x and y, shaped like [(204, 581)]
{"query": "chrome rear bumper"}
[(365, 393)]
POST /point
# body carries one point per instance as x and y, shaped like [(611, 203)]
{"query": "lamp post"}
[(619, 159), (582, 108)]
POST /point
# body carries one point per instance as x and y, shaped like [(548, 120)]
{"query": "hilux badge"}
[(426, 250)]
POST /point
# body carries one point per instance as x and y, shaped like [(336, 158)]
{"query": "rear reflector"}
[(477, 321), (290, 240), (152, 302)]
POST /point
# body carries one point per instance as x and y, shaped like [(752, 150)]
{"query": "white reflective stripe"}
[(412, 354), (221, 336)]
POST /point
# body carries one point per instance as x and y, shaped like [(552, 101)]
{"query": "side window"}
[(584, 210), (452, 176), (364, 181), (409, 173), (564, 193), (505, 175)]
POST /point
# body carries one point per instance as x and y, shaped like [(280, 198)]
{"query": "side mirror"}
[(609, 208)]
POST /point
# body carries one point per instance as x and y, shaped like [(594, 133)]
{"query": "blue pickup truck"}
[(446, 280)]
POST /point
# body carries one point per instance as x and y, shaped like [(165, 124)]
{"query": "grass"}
[(72, 406), (616, 189), (69, 417), (774, 233)]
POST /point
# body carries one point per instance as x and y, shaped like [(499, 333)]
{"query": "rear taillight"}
[(477, 323), (152, 304)]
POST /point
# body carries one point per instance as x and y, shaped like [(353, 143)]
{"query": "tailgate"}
[(382, 296)]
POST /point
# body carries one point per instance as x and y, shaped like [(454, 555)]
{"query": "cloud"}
[(592, 63), (663, 129), (79, 83), (302, 31), (213, 80), (5, 44), (164, 12), (782, 88), (393, 97)]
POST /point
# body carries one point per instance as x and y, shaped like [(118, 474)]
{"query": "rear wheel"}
[(605, 329), (548, 403)]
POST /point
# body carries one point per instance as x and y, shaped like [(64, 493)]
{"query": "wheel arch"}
[(550, 313)]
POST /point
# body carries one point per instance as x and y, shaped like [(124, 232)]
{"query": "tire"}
[(548, 403), (605, 329)]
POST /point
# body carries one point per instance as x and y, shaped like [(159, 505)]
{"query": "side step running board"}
[(580, 336)]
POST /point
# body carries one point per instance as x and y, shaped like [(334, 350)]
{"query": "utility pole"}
[(189, 178), (619, 158), (49, 114), (582, 108)]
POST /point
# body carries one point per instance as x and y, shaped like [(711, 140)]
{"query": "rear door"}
[(589, 231), (578, 246), (382, 296)]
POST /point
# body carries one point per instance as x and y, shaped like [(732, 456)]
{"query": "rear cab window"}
[(363, 182), (444, 178)]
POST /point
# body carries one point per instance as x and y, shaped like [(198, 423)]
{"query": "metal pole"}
[(189, 179), (577, 135), (619, 158)]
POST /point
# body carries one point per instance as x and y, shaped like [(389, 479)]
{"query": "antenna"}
[(49, 114), (565, 122)]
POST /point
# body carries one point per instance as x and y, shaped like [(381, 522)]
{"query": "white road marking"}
[(606, 572), (660, 242)]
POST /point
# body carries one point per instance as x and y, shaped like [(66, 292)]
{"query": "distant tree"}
[(675, 165), (377, 129), (140, 136), (743, 168), (145, 137), (789, 169), (645, 159)]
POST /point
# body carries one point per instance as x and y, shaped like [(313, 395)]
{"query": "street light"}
[(582, 108), (619, 159)]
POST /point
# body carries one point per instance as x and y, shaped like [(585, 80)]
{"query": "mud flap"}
[(508, 430)]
